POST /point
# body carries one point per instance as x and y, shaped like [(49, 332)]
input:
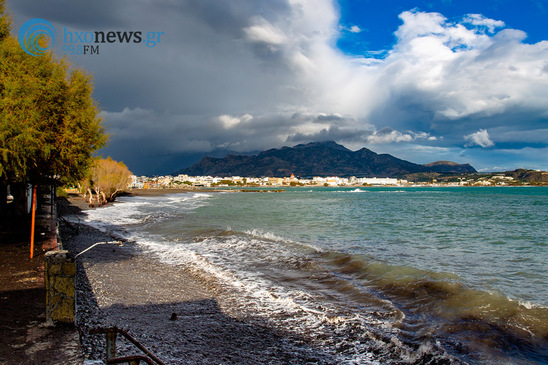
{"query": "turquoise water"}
[(493, 238), (458, 274)]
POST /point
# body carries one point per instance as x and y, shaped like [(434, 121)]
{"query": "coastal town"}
[(182, 181)]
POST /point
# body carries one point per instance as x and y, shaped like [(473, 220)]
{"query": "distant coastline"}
[(144, 185), (157, 191)]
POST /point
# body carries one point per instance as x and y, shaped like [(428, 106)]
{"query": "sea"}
[(372, 275)]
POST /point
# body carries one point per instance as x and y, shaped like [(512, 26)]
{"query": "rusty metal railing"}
[(111, 333)]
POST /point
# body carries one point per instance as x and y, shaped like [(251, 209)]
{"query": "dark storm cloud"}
[(250, 75), (74, 13)]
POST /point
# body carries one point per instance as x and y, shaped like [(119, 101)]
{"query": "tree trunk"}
[(91, 203), (113, 195)]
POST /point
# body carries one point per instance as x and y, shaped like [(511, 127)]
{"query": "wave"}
[(454, 308), (371, 190), (346, 191), (266, 235), (363, 310), (343, 294), (136, 210), (288, 284), (294, 292)]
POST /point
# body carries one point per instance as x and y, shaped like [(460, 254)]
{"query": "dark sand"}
[(125, 287)]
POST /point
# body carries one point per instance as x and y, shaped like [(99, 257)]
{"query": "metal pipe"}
[(119, 243)]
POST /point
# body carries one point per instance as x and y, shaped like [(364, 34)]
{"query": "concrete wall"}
[(60, 274)]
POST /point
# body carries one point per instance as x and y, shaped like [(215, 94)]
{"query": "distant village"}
[(186, 181)]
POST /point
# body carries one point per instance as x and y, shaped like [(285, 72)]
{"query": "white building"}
[(377, 181)]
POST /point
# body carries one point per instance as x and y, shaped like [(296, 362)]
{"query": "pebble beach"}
[(176, 313), (300, 278)]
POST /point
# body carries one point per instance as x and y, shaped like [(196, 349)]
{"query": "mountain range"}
[(317, 159)]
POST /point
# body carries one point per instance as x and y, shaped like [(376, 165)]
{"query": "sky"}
[(423, 80)]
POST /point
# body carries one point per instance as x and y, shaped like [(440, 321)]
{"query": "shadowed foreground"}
[(119, 286)]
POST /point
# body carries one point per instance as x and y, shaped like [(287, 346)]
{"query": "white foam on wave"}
[(271, 297), (234, 260), (267, 235), (296, 310), (529, 305), (227, 258), (259, 233), (131, 211), (351, 191), (185, 197), (122, 213), (358, 190)]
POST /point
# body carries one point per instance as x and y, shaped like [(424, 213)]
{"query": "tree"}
[(107, 178), (49, 123)]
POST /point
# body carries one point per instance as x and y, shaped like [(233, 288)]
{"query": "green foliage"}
[(49, 123), (5, 21), (108, 177), (182, 183), (61, 192), (228, 182)]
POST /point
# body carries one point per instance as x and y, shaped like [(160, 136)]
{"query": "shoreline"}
[(77, 205), (158, 192), (157, 277), (127, 287)]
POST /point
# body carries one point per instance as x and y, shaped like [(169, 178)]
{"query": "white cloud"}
[(423, 135), (480, 138), (437, 71), (285, 61), (355, 29), (440, 73), (231, 122), (251, 75), (389, 137), (419, 24), (431, 149), (264, 32), (480, 20)]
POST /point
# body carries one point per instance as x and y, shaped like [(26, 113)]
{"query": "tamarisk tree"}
[(49, 123), (107, 179)]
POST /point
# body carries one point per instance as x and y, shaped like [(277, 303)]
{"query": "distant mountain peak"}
[(438, 163), (449, 166), (329, 144), (326, 158)]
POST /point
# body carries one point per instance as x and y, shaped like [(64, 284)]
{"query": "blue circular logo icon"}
[(32, 32)]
